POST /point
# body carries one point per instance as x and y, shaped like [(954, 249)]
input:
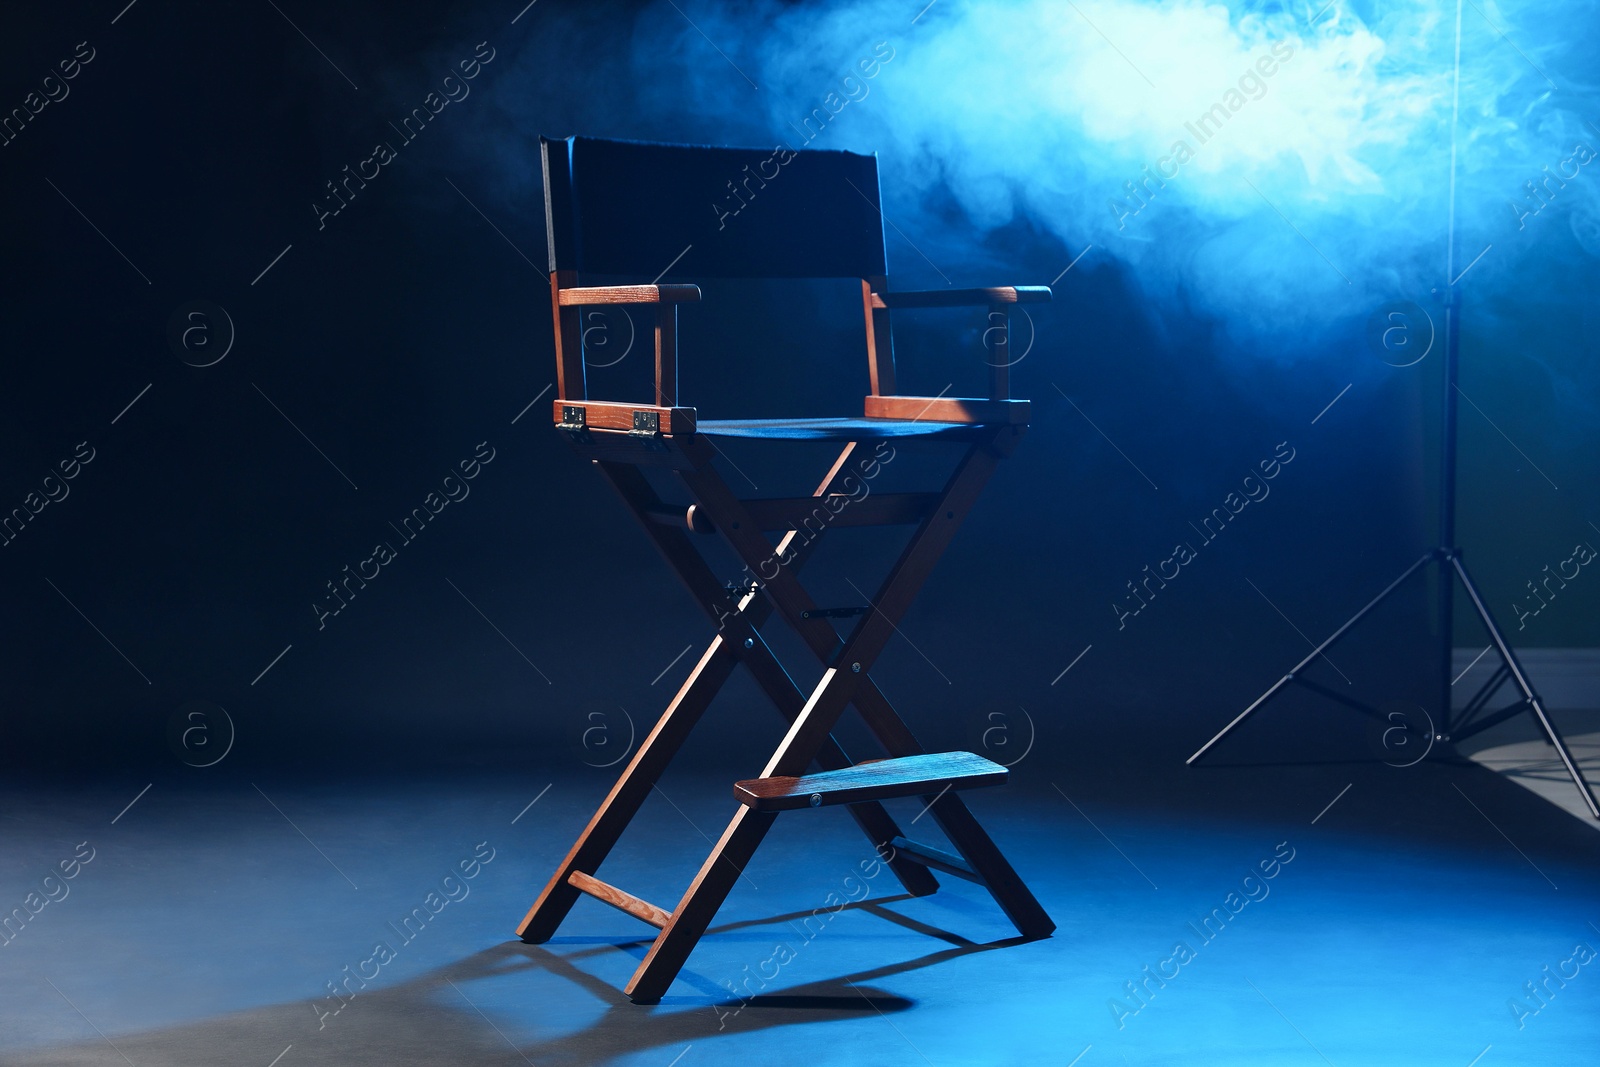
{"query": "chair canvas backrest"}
[(635, 208)]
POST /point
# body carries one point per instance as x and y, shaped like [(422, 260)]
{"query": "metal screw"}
[(816, 800), (856, 667), (749, 642)]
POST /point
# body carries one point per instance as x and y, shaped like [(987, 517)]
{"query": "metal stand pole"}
[(1447, 555)]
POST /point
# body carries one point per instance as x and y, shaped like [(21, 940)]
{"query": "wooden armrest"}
[(630, 294), (950, 298)]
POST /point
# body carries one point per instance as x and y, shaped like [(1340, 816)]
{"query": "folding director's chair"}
[(625, 209)]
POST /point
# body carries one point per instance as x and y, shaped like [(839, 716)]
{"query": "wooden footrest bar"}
[(905, 776), (937, 858), (622, 901)]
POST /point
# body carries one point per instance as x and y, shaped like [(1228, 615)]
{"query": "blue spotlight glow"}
[(1275, 164)]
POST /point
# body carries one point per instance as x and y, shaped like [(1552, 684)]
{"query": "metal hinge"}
[(574, 419), (646, 425)]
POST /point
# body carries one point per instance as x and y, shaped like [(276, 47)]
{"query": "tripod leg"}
[(1509, 657), (1319, 650)]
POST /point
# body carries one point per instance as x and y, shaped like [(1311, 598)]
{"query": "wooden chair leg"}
[(873, 818), (743, 535), (845, 680), (1008, 890), (630, 791), (727, 860), (676, 547), (699, 905), (986, 860), (847, 667)]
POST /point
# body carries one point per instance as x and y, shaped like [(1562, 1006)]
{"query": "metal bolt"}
[(816, 800), (855, 667), (749, 642)]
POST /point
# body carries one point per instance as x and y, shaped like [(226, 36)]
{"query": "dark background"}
[(416, 325)]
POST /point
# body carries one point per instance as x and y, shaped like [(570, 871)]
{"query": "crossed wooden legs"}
[(845, 680)]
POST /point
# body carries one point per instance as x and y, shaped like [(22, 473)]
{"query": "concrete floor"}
[(212, 916)]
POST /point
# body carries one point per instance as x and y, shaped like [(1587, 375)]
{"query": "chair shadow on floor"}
[(433, 1018)]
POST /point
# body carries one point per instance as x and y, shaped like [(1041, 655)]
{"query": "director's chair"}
[(625, 209)]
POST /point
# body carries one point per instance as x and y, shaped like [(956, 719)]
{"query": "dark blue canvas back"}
[(632, 208)]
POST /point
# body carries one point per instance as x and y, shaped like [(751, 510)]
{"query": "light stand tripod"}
[(1471, 719)]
